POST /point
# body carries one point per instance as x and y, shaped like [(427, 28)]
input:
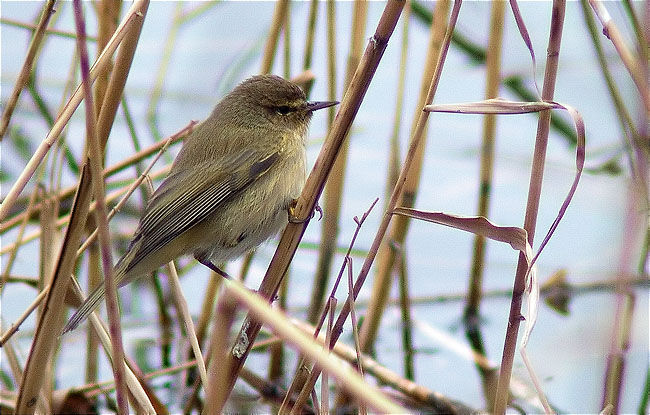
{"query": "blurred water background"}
[(223, 47)]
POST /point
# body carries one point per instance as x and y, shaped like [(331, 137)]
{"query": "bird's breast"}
[(257, 212)]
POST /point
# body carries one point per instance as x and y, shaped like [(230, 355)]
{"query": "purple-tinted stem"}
[(101, 214)]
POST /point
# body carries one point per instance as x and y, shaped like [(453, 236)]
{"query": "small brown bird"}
[(230, 186)]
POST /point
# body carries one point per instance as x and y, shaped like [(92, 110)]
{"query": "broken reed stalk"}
[(386, 376), (297, 383), (399, 226), (636, 148), (532, 206), (631, 63), (348, 378), (316, 180), (50, 240), (50, 322)]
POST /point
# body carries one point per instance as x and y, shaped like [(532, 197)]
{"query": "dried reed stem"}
[(475, 290), (281, 8), (349, 379), (95, 161), (19, 238), (217, 389), (632, 65), (389, 378), (394, 157), (397, 191), (493, 67), (109, 171), (309, 41), (532, 206), (316, 180), (50, 322)]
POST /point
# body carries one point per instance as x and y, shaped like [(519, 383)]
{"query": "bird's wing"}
[(206, 187)]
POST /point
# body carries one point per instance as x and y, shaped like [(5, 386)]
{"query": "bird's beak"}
[(316, 105)]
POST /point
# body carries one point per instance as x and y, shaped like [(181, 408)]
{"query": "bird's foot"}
[(293, 217)]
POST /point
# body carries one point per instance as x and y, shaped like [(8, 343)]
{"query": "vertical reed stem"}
[(532, 206)]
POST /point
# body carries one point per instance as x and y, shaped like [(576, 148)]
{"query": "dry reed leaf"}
[(507, 234), (526, 38), (518, 240), (501, 106), (492, 106)]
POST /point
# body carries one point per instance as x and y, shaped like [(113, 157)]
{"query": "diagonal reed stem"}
[(316, 181)]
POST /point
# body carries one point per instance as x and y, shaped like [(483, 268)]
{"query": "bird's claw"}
[(293, 217)]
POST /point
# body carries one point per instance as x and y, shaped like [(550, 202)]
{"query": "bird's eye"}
[(283, 109)]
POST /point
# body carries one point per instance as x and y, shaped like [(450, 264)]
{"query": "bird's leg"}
[(293, 218), (205, 260)]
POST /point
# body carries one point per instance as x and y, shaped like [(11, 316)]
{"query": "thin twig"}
[(25, 71), (299, 381)]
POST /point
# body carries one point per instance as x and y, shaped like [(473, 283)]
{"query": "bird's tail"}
[(97, 295), (91, 303)]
